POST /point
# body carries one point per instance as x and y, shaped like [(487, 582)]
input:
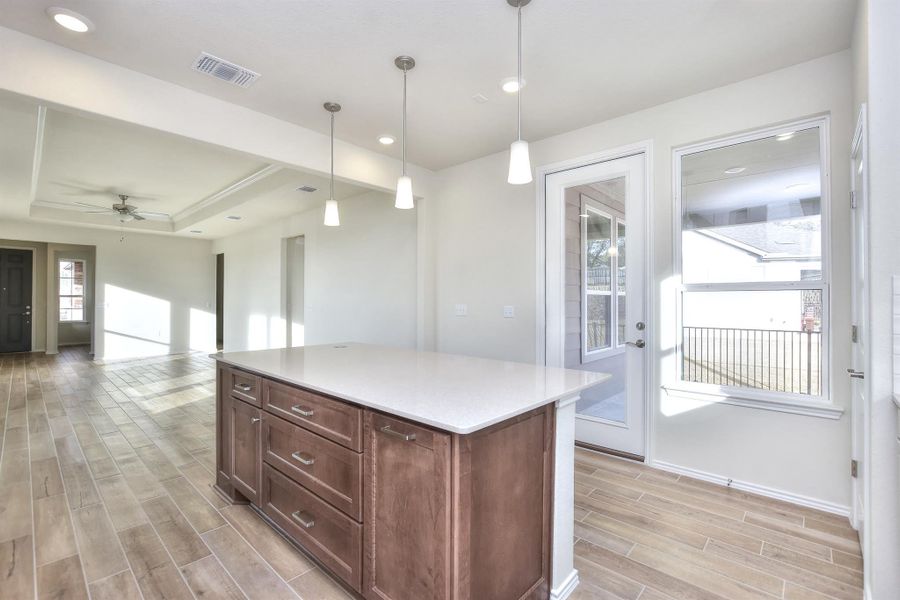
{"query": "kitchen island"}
[(407, 475)]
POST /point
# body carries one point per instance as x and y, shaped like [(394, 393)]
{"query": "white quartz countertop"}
[(460, 394)]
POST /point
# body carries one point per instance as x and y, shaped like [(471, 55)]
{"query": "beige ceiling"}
[(51, 160), (585, 60)]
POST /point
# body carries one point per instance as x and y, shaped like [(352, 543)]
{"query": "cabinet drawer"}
[(338, 421), (330, 535), (331, 471), (244, 386)]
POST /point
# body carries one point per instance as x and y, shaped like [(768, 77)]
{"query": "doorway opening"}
[(295, 268), (220, 302), (595, 294)]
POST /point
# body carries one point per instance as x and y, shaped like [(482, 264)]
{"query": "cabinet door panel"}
[(246, 461), (407, 522)]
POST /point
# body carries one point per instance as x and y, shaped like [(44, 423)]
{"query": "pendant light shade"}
[(404, 198), (519, 163), (332, 217), (404, 193), (519, 157)]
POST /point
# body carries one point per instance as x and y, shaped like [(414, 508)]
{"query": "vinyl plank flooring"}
[(140, 479), (120, 586), (253, 575), (45, 478), (17, 568), (100, 462), (156, 574), (157, 462), (124, 510), (62, 579), (53, 533), (316, 584), (201, 515), (176, 533), (100, 552), (207, 579), (286, 561)]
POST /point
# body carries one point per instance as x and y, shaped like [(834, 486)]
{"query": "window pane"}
[(77, 289), (620, 255), (597, 322), (65, 287), (78, 268), (752, 211), (77, 314), (77, 302), (620, 323), (65, 268), (65, 314), (767, 340), (598, 237), (65, 302)]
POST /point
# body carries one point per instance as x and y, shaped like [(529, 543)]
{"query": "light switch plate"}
[(462, 310), (509, 312)]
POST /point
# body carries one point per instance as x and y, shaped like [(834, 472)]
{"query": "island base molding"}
[(377, 501)]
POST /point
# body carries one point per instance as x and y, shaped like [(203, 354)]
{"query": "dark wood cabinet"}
[(407, 524), (394, 509), (246, 459)]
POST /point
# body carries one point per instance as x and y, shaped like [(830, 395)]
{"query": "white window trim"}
[(614, 216), (818, 406), (83, 294)]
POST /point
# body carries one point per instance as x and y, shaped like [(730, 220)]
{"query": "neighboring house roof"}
[(786, 239)]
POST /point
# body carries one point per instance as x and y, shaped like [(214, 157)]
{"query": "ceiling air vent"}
[(306, 188), (224, 70)]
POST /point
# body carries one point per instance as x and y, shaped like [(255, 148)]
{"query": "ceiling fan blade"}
[(99, 212), (137, 217), (152, 215)]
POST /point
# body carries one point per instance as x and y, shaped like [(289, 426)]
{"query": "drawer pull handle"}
[(303, 412), (244, 387), (254, 420), (406, 437), (304, 458), (305, 519)]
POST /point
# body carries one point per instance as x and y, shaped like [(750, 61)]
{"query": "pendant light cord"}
[(519, 82), (332, 156), (404, 121)]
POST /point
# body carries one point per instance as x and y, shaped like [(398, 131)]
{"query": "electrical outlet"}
[(462, 310), (509, 312)]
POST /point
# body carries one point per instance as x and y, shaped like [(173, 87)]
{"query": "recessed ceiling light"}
[(196, 231), (71, 20), (233, 218), (510, 85), (386, 140), (783, 137), (735, 170)]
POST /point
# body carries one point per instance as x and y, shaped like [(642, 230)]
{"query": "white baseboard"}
[(565, 589), (745, 486)]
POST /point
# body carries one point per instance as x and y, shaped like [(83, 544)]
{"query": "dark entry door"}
[(15, 300)]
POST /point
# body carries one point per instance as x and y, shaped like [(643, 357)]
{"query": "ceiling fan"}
[(123, 210)]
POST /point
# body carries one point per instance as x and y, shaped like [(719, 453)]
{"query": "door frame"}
[(33, 250), (544, 270), (860, 436)]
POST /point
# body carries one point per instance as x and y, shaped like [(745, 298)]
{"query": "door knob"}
[(637, 344)]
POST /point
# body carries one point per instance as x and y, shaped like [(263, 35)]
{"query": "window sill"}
[(74, 322), (809, 408)]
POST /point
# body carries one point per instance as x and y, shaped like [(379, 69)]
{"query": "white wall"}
[(154, 294), (360, 278), (882, 46), (485, 257)]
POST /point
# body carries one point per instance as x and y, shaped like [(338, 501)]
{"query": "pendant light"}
[(332, 218), (519, 160), (404, 183)]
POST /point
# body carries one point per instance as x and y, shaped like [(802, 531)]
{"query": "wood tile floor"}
[(105, 475)]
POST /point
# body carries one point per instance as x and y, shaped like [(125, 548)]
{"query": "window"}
[(753, 300), (71, 290), (603, 284)]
